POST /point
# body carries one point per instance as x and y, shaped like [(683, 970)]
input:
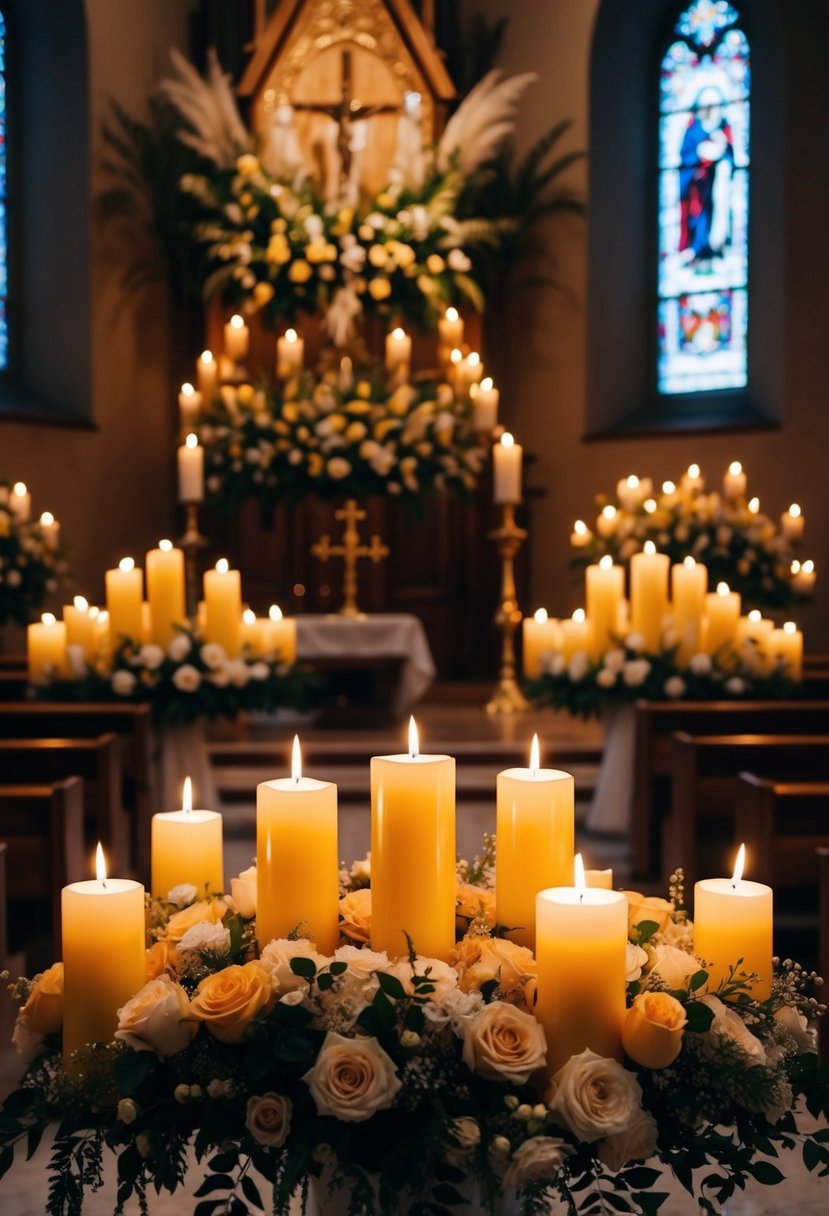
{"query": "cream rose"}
[(363, 963), (673, 965), (352, 1078), (635, 960), (355, 910), (442, 977), (594, 1097), (653, 1029), (636, 1142), (797, 1025), (43, 1010), (276, 960), (228, 1001), (205, 912), (466, 1136), (647, 907), (243, 890), (268, 1119), (504, 1043), (729, 1027), (540, 1157), (155, 1018), (479, 960)]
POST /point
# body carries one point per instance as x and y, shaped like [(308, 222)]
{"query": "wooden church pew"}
[(704, 785), (782, 824), (98, 762), (133, 723), (657, 721), (42, 827)]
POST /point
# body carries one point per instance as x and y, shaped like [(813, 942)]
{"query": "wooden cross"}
[(345, 112), (350, 550)]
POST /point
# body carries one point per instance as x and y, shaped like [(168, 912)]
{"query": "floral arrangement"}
[(32, 562), (627, 673), (338, 439), (412, 1084), (739, 544), (191, 679)]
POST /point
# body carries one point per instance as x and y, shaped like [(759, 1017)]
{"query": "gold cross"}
[(350, 550)]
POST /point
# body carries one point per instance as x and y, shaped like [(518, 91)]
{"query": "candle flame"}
[(126, 564), (689, 562), (790, 627), (795, 511), (275, 612), (755, 615), (580, 527), (291, 335), (187, 389), (296, 761), (540, 615), (579, 615), (206, 357), (473, 358), (187, 796), (451, 314), (19, 488), (100, 865), (166, 546), (795, 567), (754, 505), (414, 741), (723, 589), (398, 334), (102, 615), (507, 440), (578, 871), (650, 505), (236, 321), (456, 355), (632, 482), (487, 384), (735, 468), (693, 471), (808, 567), (81, 603), (249, 616), (48, 618), (94, 613), (609, 512), (47, 519), (192, 441), (668, 487), (739, 865), (649, 548), (535, 757), (606, 563), (222, 565)]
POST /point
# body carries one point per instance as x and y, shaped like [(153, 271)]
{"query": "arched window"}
[(4, 240), (703, 185)]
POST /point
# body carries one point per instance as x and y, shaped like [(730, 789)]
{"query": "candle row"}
[(20, 506)]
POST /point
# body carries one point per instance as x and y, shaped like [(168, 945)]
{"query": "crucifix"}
[(350, 550), (345, 113)]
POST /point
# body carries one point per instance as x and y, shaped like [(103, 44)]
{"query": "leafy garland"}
[(30, 570), (237, 1057)]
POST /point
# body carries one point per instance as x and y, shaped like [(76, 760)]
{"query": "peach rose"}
[(481, 959), (355, 910), (728, 1027), (43, 1010), (243, 888), (636, 1142), (474, 901), (161, 957), (268, 1119), (653, 1029), (647, 907), (504, 1043), (228, 1001), (673, 965), (352, 1078), (594, 1097), (156, 1019), (206, 911)]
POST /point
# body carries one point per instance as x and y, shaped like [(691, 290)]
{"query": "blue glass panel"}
[(702, 342), (703, 20)]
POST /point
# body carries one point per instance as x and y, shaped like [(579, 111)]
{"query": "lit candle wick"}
[(580, 880), (296, 761), (414, 741), (535, 758), (100, 866), (187, 797), (739, 866)]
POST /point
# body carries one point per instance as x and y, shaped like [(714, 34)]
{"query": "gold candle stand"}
[(508, 697), (192, 542)]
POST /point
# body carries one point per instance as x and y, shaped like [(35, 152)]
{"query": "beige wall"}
[(542, 358)]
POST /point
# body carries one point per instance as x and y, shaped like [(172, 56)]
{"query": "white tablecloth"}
[(392, 633)]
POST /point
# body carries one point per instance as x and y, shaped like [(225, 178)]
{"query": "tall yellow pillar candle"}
[(187, 848), (207, 376), (46, 649), (165, 592), (752, 639), (733, 920), (237, 338), (124, 595), (581, 943), (280, 636), (80, 627), (605, 589), (649, 572), (575, 634), (540, 636), (297, 859), (786, 645), (104, 963), (223, 607), (722, 613), (413, 852), (535, 833), (689, 583)]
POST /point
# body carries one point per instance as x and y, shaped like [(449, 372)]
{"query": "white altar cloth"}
[(389, 633)]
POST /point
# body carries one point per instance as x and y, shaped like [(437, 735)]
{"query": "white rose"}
[(243, 888), (187, 678), (179, 648), (259, 671), (804, 1035), (578, 667), (594, 1097), (440, 975), (220, 676), (635, 672), (636, 1142), (454, 1006), (123, 683), (700, 664), (466, 1136), (352, 1078), (268, 1119), (151, 656), (728, 1026), (212, 655), (504, 1043), (557, 665), (614, 660), (205, 938), (539, 1158), (238, 672), (674, 687), (635, 642), (457, 260), (606, 678), (635, 959), (672, 965), (363, 963), (736, 686), (360, 872), (154, 1020), (183, 895), (276, 959)]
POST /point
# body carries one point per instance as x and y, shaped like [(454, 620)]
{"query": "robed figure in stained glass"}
[(707, 164)]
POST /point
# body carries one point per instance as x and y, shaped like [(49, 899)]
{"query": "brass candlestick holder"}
[(192, 542), (508, 697)]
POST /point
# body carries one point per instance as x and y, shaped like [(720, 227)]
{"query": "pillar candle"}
[(803, 577), (280, 636), (20, 502), (733, 920), (722, 614), (599, 879), (468, 373), (793, 523), (413, 852), (507, 457), (786, 645), (734, 482), (124, 595), (607, 521), (237, 339), (253, 634), (104, 962), (207, 376), (290, 355), (297, 859), (581, 944), (191, 470), (575, 634), (165, 592), (450, 328), (540, 636), (46, 649), (535, 833), (189, 406), (649, 572), (632, 491), (223, 607), (80, 627), (689, 584), (485, 398), (187, 848), (398, 350), (103, 647), (756, 629), (581, 535), (50, 531), (691, 481), (605, 589)]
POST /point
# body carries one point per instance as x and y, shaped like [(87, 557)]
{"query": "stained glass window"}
[(702, 290), (4, 270)]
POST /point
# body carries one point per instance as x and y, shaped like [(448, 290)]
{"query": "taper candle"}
[(207, 376), (191, 470), (237, 338), (46, 649), (507, 457)]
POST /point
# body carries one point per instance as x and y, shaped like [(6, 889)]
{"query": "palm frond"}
[(214, 128), (482, 123)]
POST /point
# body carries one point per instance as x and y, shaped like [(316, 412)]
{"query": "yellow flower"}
[(379, 288), (43, 1010), (365, 232), (355, 910), (278, 250), (355, 432), (315, 464), (385, 200), (229, 1000), (278, 225), (205, 912), (161, 957), (359, 407), (336, 422), (404, 255), (247, 165), (653, 1029), (315, 250), (647, 907), (290, 411), (262, 294), (474, 901), (343, 221), (383, 428), (329, 253), (245, 199), (246, 395), (338, 468), (427, 286), (435, 264), (377, 256), (300, 271), (481, 959)]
